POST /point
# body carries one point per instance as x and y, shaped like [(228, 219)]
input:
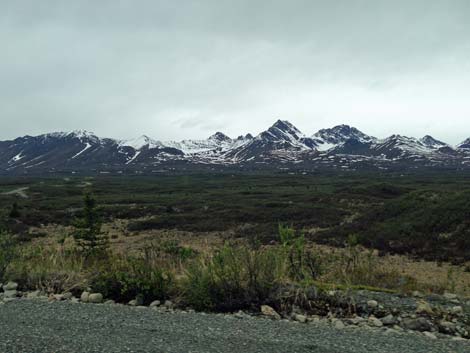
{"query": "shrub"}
[(302, 263), (124, 279), (8, 251), (15, 211), (233, 278)]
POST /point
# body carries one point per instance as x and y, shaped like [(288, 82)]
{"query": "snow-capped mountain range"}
[(281, 146)]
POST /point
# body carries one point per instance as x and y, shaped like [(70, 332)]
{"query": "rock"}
[(456, 310), (168, 304), (430, 335), (419, 324), (339, 325), (424, 308), (266, 310), (57, 297), (300, 318), (10, 294), (314, 318), (133, 302), (95, 298), (356, 320), (139, 300), (450, 296), (10, 286), (155, 303), (84, 297), (67, 296), (389, 320), (447, 327), (374, 322), (372, 304), (75, 300), (33, 295), (109, 302), (240, 315), (417, 294)]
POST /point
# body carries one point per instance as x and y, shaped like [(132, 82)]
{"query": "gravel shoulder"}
[(42, 326)]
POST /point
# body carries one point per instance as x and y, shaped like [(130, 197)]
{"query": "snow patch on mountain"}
[(88, 146), (328, 139), (140, 142)]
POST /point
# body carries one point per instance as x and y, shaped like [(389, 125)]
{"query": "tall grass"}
[(49, 269), (230, 278)]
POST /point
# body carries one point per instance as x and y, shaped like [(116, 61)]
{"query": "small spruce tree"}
[(15, 211), (88, 234)]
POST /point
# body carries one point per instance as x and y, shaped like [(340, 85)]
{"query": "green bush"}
[(239, 277), (234, 278), (124, 279)]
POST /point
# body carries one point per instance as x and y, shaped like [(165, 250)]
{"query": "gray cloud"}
[(183, 69)]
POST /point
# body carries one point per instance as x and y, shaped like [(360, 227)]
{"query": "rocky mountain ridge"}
[(282, 146)]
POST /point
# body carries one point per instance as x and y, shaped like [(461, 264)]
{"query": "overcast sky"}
[(176, 69)]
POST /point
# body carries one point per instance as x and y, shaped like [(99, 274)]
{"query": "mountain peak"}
[(465, 145), (339, 134), (430, 141), (81, 134), (284, 125), (219, 136)]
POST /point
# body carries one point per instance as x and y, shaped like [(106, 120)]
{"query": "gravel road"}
[(53, 327)]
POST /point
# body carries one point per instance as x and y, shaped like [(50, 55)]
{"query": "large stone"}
[(447, 327), (84, 297), (10, 294), (419, 324), (374, 322), (67, 296), (372, 304), (424, 308), (33, 295), (57, 297), (155, 303), (168, 304), (95, 298), (389, 320), (430, 335), (10, 286), (339, 325), (355, 320), (266, 310), (300, 318)]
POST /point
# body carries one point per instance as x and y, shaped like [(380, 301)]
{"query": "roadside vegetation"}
[(271, 255), (237, 275)]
